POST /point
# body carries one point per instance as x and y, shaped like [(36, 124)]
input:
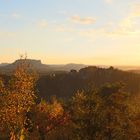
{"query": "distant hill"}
[(36, 64), (67, 67), (39, 67), (135, 71), (66, 84)]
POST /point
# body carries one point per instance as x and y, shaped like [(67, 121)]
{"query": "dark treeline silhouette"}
[(66, 84)]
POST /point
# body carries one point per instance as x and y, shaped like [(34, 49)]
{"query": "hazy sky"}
[(63, 31)]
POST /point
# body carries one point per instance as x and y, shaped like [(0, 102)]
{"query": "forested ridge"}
[(92, 104), (66, 84)]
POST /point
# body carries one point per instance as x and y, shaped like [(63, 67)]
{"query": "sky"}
[(97, 32)]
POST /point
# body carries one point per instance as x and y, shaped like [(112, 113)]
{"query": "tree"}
[(17, 96), (116, 119), (103, 115), (84, 114), (46, 117)]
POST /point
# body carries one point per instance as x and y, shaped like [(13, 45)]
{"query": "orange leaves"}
[(18, 98), (49, 116), (2, 87)]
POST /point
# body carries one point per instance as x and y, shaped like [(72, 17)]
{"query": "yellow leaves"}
[(1, 83), (52, 109), (1, 86), (18, 98), (17, 103), (56, 109), (22, 137), (80, 96), (12, 136)]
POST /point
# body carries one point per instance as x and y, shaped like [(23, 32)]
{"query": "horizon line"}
[(106, 65)]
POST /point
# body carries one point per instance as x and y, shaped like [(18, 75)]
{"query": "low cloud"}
[(43, 23), (7, 34), (82, 20), (12, 15), (15, 15), (109, 1), (127, 26), (135, 10), (63, 28)]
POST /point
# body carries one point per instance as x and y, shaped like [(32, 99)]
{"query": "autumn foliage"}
[(107, 113), (19, 114)]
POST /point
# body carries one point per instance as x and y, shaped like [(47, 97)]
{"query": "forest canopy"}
[(107, 112)]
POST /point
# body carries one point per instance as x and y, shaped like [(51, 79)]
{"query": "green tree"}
[(103, 115), (84, 115)]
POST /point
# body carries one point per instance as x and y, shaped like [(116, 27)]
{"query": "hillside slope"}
[(65, 85)]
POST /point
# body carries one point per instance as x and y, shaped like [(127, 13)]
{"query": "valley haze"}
[(45, 68)]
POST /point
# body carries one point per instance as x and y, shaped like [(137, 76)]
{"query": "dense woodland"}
[(66, 84), (92, 104)]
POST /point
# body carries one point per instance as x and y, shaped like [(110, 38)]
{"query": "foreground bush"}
[(105, 114)]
